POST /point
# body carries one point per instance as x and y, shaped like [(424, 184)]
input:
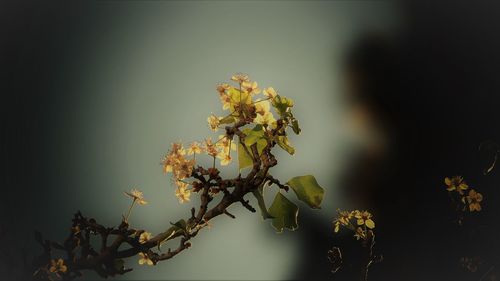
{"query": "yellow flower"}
[(173, 158), (343, 218), (213, 122), (225, 99), (210, 148), (267, 119), (57, 266), (144, 259), (474, 198), (456, 183), (194, 148), (178, 149), (262, 107), (238, 101), (182, 193), (239, 77), (145, 236), (183, 169), (360, 233), (223, 144), (270, 92), (364, 218), (225, 158), (137, 196), (168, 162), (250, 87), (222, 88)]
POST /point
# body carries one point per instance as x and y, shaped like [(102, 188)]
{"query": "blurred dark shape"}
[(431, 95)]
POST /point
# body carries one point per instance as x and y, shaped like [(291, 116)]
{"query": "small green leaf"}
[(282, 104), (295, 126), (307, 190), (227, 120), (283, 142), (181, 224), (254, 135), (259, 195), (284, 212), (244, 159)]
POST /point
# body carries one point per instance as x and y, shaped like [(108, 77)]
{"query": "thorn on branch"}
[(229, 214), (247, 205)]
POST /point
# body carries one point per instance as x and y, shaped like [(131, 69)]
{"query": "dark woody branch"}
[(123, 241)]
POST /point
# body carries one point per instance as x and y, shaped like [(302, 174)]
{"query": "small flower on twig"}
[(144, 259), (456, 183), (137, 196), (58, 266), (222, 88), (343, 219), (267, 119), (182, 193), (364, 218), (210, 148), (239, 77), (474, 199), (225, 158), (250, 87), (262, 107), (144, 237), (194, 148), (270, 92), (213, 122)]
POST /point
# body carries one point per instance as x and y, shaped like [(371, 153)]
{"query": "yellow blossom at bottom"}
[(144, 259), (474, 199), (364, 218), (182, 193), (145, 236), (57, 266)]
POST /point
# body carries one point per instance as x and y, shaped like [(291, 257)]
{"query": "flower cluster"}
[(469, 198), (252, 126), (360, 222), (245, 107), (242, 102)]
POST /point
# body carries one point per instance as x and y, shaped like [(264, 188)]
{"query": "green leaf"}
[(282, 104), (284, 212), (244, 159), (227, 120), (295, 126), (181, 224), (254, 135), (283, 142), (259, 195), (307, 190)]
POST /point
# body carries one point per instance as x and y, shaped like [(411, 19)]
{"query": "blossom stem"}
[(240, 109), (130, 209), (260, 100)]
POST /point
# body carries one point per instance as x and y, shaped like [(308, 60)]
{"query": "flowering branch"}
[(362, 225), (253, 127)]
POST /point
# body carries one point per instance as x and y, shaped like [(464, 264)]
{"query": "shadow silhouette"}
[(431, 96)]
